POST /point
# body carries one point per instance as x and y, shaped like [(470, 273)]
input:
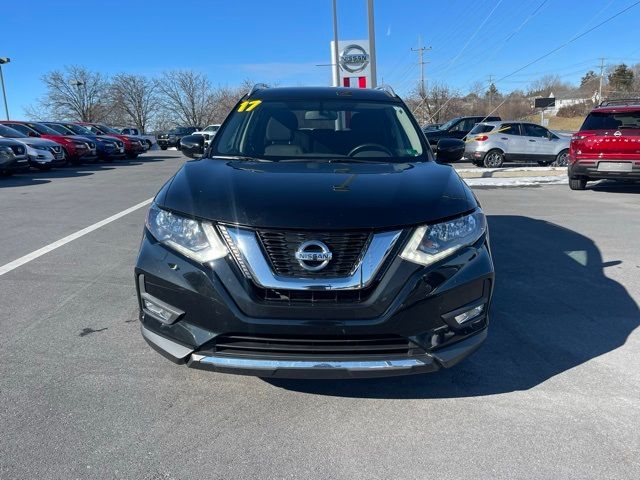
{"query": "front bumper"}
[(134, 149), (168, 142), (409, 303), (14, 164), (589, 169), (110, 153)]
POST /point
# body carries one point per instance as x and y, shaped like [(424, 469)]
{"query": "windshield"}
[(319, 129), (7, 132), (180, 131), (449, 124), (611, 121), (78, 130), (42, 129), (106, 129), (212, 128), (60, 129)]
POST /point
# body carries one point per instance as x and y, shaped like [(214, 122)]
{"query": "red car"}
[(607, 145), (132, 146), (78, 149)]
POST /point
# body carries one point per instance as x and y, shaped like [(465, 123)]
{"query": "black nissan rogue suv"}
[(317, 237)]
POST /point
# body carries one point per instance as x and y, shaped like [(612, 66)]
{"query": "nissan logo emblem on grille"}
[(313, 255), (354, 58)]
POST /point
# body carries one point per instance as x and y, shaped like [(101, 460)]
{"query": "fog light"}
[(158, 311), (469, 314)]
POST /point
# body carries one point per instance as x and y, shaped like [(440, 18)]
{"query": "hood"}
[(316, 195), (59, 138), (34, 141)]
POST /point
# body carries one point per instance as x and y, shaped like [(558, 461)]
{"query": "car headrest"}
[(281, 126)]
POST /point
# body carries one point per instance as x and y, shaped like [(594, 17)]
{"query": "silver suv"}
[(490, 144)]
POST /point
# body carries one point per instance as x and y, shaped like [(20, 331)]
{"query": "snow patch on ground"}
[(513, 169), (516, 181)]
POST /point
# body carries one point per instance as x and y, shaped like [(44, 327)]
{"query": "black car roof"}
[(314, 93)]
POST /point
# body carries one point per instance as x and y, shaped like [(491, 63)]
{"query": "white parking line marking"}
[(69, 238)]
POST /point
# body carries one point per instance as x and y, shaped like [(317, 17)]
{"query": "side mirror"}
[(192, 146), (449, 150)]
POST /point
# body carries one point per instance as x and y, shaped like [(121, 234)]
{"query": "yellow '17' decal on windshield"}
[(249, 105)]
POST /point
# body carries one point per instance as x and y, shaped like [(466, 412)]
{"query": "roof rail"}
[(387, 89), (620, 101), (256, 87)]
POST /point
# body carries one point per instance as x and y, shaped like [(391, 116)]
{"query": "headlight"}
[(192, 238), (6, 152), (37, 147), (80, 144), (432, 243)]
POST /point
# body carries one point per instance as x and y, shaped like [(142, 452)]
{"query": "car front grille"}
[(280, 247), (279, 346)]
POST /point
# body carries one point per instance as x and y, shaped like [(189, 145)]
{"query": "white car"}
[(208, 133)]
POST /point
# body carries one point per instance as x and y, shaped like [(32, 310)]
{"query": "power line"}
[(568, 42)]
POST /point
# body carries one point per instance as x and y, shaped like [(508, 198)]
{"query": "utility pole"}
[(421, 62), (372, 44), (490, 92), (601, 77)]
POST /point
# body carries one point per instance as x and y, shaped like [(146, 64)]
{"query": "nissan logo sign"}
[(354, 58)]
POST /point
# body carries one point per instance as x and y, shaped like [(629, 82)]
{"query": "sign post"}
[(542, 104)]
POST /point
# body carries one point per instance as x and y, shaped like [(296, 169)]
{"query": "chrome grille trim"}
[(245, 247)]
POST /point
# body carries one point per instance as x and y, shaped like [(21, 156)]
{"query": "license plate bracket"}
[(615, 166)]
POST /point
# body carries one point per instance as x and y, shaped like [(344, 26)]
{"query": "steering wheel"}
[(369, 146)]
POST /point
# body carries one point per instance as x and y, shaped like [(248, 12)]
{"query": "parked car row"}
[(43, 145)]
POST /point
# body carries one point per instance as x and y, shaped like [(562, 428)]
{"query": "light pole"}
[(4, 60), (78, 84)]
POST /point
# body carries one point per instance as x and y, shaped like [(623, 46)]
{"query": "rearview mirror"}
[(449, 150), (192, 146)]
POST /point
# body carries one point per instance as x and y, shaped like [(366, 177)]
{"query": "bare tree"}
[(546, 85), (224, 99), (74, 93), (187, 97), (135, 99)]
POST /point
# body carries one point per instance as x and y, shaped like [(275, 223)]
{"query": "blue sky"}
[(283, 40)]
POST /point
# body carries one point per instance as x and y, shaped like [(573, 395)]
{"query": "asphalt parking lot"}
[(554, 392)]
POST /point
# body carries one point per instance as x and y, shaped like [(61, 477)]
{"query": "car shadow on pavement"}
[(615, 187), (553, 309)]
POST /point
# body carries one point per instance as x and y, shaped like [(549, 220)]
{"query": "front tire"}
[(577, 183), (562, 159), (132, 156), (163, 147), (493, 159), (149, 144)]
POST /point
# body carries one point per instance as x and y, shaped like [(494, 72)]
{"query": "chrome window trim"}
[(246, 243)]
